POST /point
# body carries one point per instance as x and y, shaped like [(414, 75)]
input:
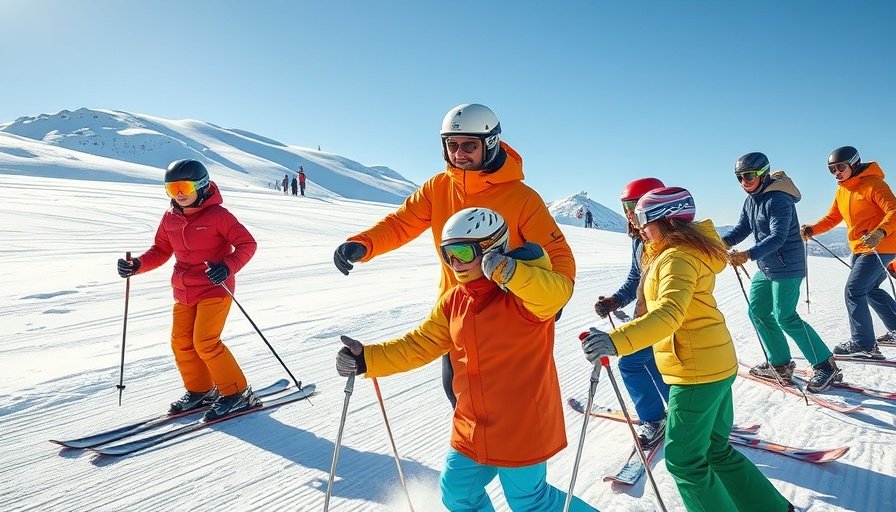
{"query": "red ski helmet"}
[(634, 190)]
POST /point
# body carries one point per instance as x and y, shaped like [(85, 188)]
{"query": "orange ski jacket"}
[(866, 203), (430, 206), (509, 411)]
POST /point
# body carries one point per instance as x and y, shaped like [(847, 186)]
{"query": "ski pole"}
[(595, 375), (761, 345), (806, 248), (124, 331), (226, 289), (605, 361), (886, 272), (830, 251), (404, 485), (349, 387)]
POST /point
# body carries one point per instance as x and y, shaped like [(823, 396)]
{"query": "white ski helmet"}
[(473, 232), (473, 120)]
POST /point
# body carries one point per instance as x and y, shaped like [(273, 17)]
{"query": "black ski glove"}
[(128, 268), (348, 253), (217, 272), (605, 305), (350, 358)]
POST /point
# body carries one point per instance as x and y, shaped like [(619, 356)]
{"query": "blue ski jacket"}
[(769, 213)]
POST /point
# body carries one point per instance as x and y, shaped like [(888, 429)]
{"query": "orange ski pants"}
[(202, 359)]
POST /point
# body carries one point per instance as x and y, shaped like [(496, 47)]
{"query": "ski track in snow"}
[(62, 322)]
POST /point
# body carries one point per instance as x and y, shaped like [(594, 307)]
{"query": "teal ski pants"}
[(773, 312)]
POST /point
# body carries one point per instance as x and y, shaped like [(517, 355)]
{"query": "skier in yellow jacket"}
[(497, 326), (695, 355), (481, 171)]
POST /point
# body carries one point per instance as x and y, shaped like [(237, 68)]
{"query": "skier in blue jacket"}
[(639, 373), (769, 213)]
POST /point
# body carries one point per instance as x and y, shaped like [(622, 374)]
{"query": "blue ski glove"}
[(597, 344), (217, 272), (128, 268), (350, 358), (348, 253)]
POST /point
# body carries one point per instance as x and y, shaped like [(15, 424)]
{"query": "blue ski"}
[(141, 426), (153, 440)]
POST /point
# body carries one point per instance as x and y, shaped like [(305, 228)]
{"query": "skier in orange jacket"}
[(481, 171)]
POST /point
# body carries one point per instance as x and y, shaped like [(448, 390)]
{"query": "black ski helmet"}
[(752, 162), (189, 170), (847, 154), (186, 170)]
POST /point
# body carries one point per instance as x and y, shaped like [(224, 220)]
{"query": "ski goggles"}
[(464, 252), (750, 175), (175, 188), (629, 206), (469, 146), (839, 167)]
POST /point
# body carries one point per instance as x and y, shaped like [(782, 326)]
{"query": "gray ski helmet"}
[(752, 162), (473, 120), (847, 154), (189, 170)]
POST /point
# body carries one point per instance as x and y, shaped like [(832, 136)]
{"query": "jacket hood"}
[(870, 170), (477, 181), (780, 182), (706, 228)]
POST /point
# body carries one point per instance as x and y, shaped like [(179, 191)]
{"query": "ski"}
[(887, 342), (804, 375), (845, 409), (813, 456), (153, 440), (616, 415), (867, 360), (633, 468), (141, 426)]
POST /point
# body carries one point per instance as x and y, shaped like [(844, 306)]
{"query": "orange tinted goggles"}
[(185, 188)]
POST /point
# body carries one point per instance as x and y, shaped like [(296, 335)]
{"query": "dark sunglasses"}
[(469, 146)]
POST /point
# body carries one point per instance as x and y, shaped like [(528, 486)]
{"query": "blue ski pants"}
[(463, 487), (645, 384), (863, 289)]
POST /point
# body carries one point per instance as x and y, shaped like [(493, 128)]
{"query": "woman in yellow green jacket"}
[(695, 355)]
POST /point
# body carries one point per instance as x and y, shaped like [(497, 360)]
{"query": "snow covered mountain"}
[(569, 211), (87, 143)]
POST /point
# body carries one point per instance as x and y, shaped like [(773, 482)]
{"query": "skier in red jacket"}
[(210, 246)]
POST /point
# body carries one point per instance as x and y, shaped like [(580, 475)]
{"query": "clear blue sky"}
[(592, 94)]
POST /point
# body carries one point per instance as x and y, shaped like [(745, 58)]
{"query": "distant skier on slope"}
[(695, 354), (589, 219), (197, 229), (867, 205), (481, 170), (769, 214), (497, 326), (639, 373)]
